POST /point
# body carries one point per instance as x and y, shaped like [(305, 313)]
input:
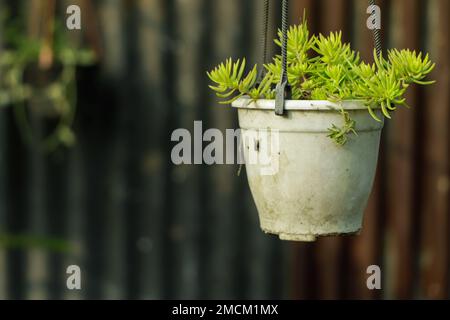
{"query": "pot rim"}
[(314, 105)]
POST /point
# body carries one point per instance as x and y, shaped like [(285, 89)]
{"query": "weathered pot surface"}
[(303, 183)]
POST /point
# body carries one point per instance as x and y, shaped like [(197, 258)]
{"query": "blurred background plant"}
[(38, 81), (27, 241), (41, 68)]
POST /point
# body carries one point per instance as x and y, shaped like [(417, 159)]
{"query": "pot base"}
[(297, 237), (308, 237)]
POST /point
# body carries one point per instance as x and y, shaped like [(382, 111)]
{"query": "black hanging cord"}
[(282, 90), (376, 35), (284, 28), (262, 71)]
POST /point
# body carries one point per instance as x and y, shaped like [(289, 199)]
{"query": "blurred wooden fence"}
[(144, 228)]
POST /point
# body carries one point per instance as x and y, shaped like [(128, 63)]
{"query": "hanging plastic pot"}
[(310, 186), (310, 163)]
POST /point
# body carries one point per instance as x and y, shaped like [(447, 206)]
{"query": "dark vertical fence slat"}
[(154, 42), (302, 275), (252, 279), (97, 130), (38, 262), (185, 227), (361, 36), (16, 208), (17, 194), (311, 8), (37, 223), (383, 260), (379, 255), (169, 74), (56, 214), (329, 256), (150, 65), (3, 212), (47, 197), (75, 221), (362, 250), (3, 186), (75, 224), (56, 187), (94, 152), (206, 101), (435, 174), (222, 205), (297, 8), (333, 17), (134, 135), (108, 20), (3, 255), (401, 165), (258, 259)]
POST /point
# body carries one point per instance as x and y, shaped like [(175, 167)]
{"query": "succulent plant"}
[(324, 68)]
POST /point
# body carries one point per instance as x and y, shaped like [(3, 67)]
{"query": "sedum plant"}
[(324, 68)]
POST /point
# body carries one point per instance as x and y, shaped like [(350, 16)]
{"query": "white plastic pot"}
[(308, 186)]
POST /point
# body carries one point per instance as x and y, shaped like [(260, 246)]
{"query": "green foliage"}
[(229, 79), (339, 134), (332, 51), (410, 67), (324, 68), (22, 53), (383, 88), (28, 241)]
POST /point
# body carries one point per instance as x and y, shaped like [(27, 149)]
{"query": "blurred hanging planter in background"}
[(328, 109), (38, 76)]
